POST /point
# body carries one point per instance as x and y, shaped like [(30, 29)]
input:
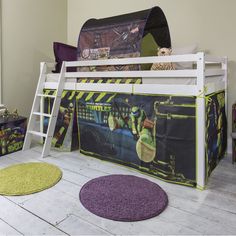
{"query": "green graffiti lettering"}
[(15, 146), (98, 108)]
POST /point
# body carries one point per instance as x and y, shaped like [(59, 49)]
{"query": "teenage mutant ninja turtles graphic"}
[(143, 132), (137, 117), (12, 138), (216, 129), (65, 136), (65, 115), (141, 129), (221, 102)]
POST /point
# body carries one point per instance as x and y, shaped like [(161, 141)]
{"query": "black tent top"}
[(156, 24), (121, 36)]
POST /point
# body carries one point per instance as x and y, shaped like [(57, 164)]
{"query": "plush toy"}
[(163, 65), (15, 114)]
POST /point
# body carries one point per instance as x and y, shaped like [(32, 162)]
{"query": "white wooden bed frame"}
[(199, 89)]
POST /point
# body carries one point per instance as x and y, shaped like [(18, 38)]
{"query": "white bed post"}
[(224, 67), (200, 123), (41, 106)]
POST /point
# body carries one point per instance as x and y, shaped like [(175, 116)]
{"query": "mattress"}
[(53, 77), (187, 81), (177, 80)]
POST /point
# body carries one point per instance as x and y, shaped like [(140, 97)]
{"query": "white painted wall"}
[(209, 23), (0, 51), (29, 28)]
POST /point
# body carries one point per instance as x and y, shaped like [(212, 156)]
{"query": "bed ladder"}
[(35, 111)]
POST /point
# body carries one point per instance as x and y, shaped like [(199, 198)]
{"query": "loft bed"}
[(204, 100), (170, 124)]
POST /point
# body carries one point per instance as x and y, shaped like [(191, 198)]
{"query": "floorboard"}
[(58, 210), (24, 221), (6, 229)]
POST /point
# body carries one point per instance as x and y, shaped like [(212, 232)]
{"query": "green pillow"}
[(148, 48)]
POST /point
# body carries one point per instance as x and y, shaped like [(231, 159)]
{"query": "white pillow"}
[(190, 49)]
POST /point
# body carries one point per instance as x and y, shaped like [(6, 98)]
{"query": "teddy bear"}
[(163, 65)]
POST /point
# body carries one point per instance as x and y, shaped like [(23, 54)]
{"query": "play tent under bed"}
[(170, 123)]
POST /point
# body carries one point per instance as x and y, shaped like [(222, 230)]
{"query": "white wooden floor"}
[(58, 211)]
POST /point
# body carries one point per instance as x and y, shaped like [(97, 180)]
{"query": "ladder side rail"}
[(54, 112), (36, 104), (39, 90), (224, 66)]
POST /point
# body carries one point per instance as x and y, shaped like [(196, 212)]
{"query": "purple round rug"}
[(123, 198)]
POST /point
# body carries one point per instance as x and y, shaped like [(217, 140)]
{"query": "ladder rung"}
[(37, 133), (41, 114), (46, 95)]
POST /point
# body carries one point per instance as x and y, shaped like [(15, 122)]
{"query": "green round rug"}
[(27, 178)]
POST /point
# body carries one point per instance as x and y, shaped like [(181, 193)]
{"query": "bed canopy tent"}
[(121, 36)]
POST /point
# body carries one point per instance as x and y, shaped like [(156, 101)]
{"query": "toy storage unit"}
[(12, 133)]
